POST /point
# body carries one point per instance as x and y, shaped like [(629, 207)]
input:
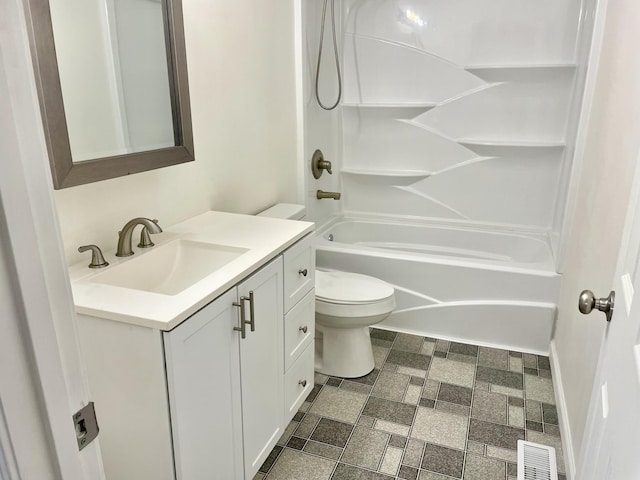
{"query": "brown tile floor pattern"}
[(430, 410)]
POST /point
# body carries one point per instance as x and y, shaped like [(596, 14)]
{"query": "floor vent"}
[(536, 462)]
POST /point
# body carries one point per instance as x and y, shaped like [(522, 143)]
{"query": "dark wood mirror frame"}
[(65, 173)]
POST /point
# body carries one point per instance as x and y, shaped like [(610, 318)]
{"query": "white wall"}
[(610, 154), (240, 57), (565, 194)]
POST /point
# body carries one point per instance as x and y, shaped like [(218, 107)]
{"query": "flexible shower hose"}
[(335, 52)]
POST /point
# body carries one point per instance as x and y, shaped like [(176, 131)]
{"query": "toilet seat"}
[(343, 294)]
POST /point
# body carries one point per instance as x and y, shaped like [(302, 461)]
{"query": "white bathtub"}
[(491, 288)]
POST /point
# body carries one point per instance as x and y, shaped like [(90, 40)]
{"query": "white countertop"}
[(264, 237)]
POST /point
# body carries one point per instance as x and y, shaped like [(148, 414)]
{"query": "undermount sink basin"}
[(171, 268)]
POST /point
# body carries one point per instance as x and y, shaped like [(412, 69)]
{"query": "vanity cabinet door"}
[(203, 379), (261, 366)]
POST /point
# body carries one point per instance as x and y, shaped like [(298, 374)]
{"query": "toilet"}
[(346, 305)]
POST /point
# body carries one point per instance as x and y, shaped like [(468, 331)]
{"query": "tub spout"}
[(320, 195)]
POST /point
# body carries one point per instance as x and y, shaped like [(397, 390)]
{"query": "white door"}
[(41, 376), (613, 435)]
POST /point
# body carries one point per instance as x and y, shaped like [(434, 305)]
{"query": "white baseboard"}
[(563, 420)]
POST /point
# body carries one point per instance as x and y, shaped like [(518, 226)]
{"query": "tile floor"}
[(431, 410)]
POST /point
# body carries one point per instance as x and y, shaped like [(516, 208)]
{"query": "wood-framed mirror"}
[(113, 86)]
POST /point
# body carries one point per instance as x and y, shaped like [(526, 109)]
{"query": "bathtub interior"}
[(469, 298), (529, 250)]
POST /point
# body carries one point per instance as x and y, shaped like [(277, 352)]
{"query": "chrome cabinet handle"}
[(242, 328), (252, 315), (303, 383), (303, 272), (303, 329), (252, 318)]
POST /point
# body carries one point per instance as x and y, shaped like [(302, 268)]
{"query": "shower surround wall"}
[(322, 129), (457, 111), (457, 123)]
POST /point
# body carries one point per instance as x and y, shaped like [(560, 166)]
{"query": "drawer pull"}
[(303, 329), (303, 272), (242, 328), (303, 383), (252, 314), (252, 319)]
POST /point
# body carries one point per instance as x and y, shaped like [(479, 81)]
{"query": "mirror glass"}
[(114, 77), (113, 86)]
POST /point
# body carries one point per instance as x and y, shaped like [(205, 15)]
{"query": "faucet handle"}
[(97, 259), (318, 164), (145, 238)]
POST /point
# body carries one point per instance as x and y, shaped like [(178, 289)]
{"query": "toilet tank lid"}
[(290, 211), (354, 288)]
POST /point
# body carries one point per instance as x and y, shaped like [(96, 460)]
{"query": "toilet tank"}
[(290, 211)]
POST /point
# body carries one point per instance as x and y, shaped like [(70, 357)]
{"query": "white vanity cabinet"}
[(199, 401), (225, 391)]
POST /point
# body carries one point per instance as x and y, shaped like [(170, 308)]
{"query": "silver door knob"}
[(587, 302)]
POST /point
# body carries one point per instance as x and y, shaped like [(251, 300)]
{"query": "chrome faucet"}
[(321, 194), (124, 240)]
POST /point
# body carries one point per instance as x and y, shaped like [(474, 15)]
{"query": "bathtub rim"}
[(333, 246), (507, 228)]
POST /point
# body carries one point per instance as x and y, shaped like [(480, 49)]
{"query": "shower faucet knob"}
[(318, 164)]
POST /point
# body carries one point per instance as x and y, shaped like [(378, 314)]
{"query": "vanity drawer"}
[(298, 383), (299, 271), (299, 328)]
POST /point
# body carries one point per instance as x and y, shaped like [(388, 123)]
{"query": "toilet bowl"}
[(347, 304)]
